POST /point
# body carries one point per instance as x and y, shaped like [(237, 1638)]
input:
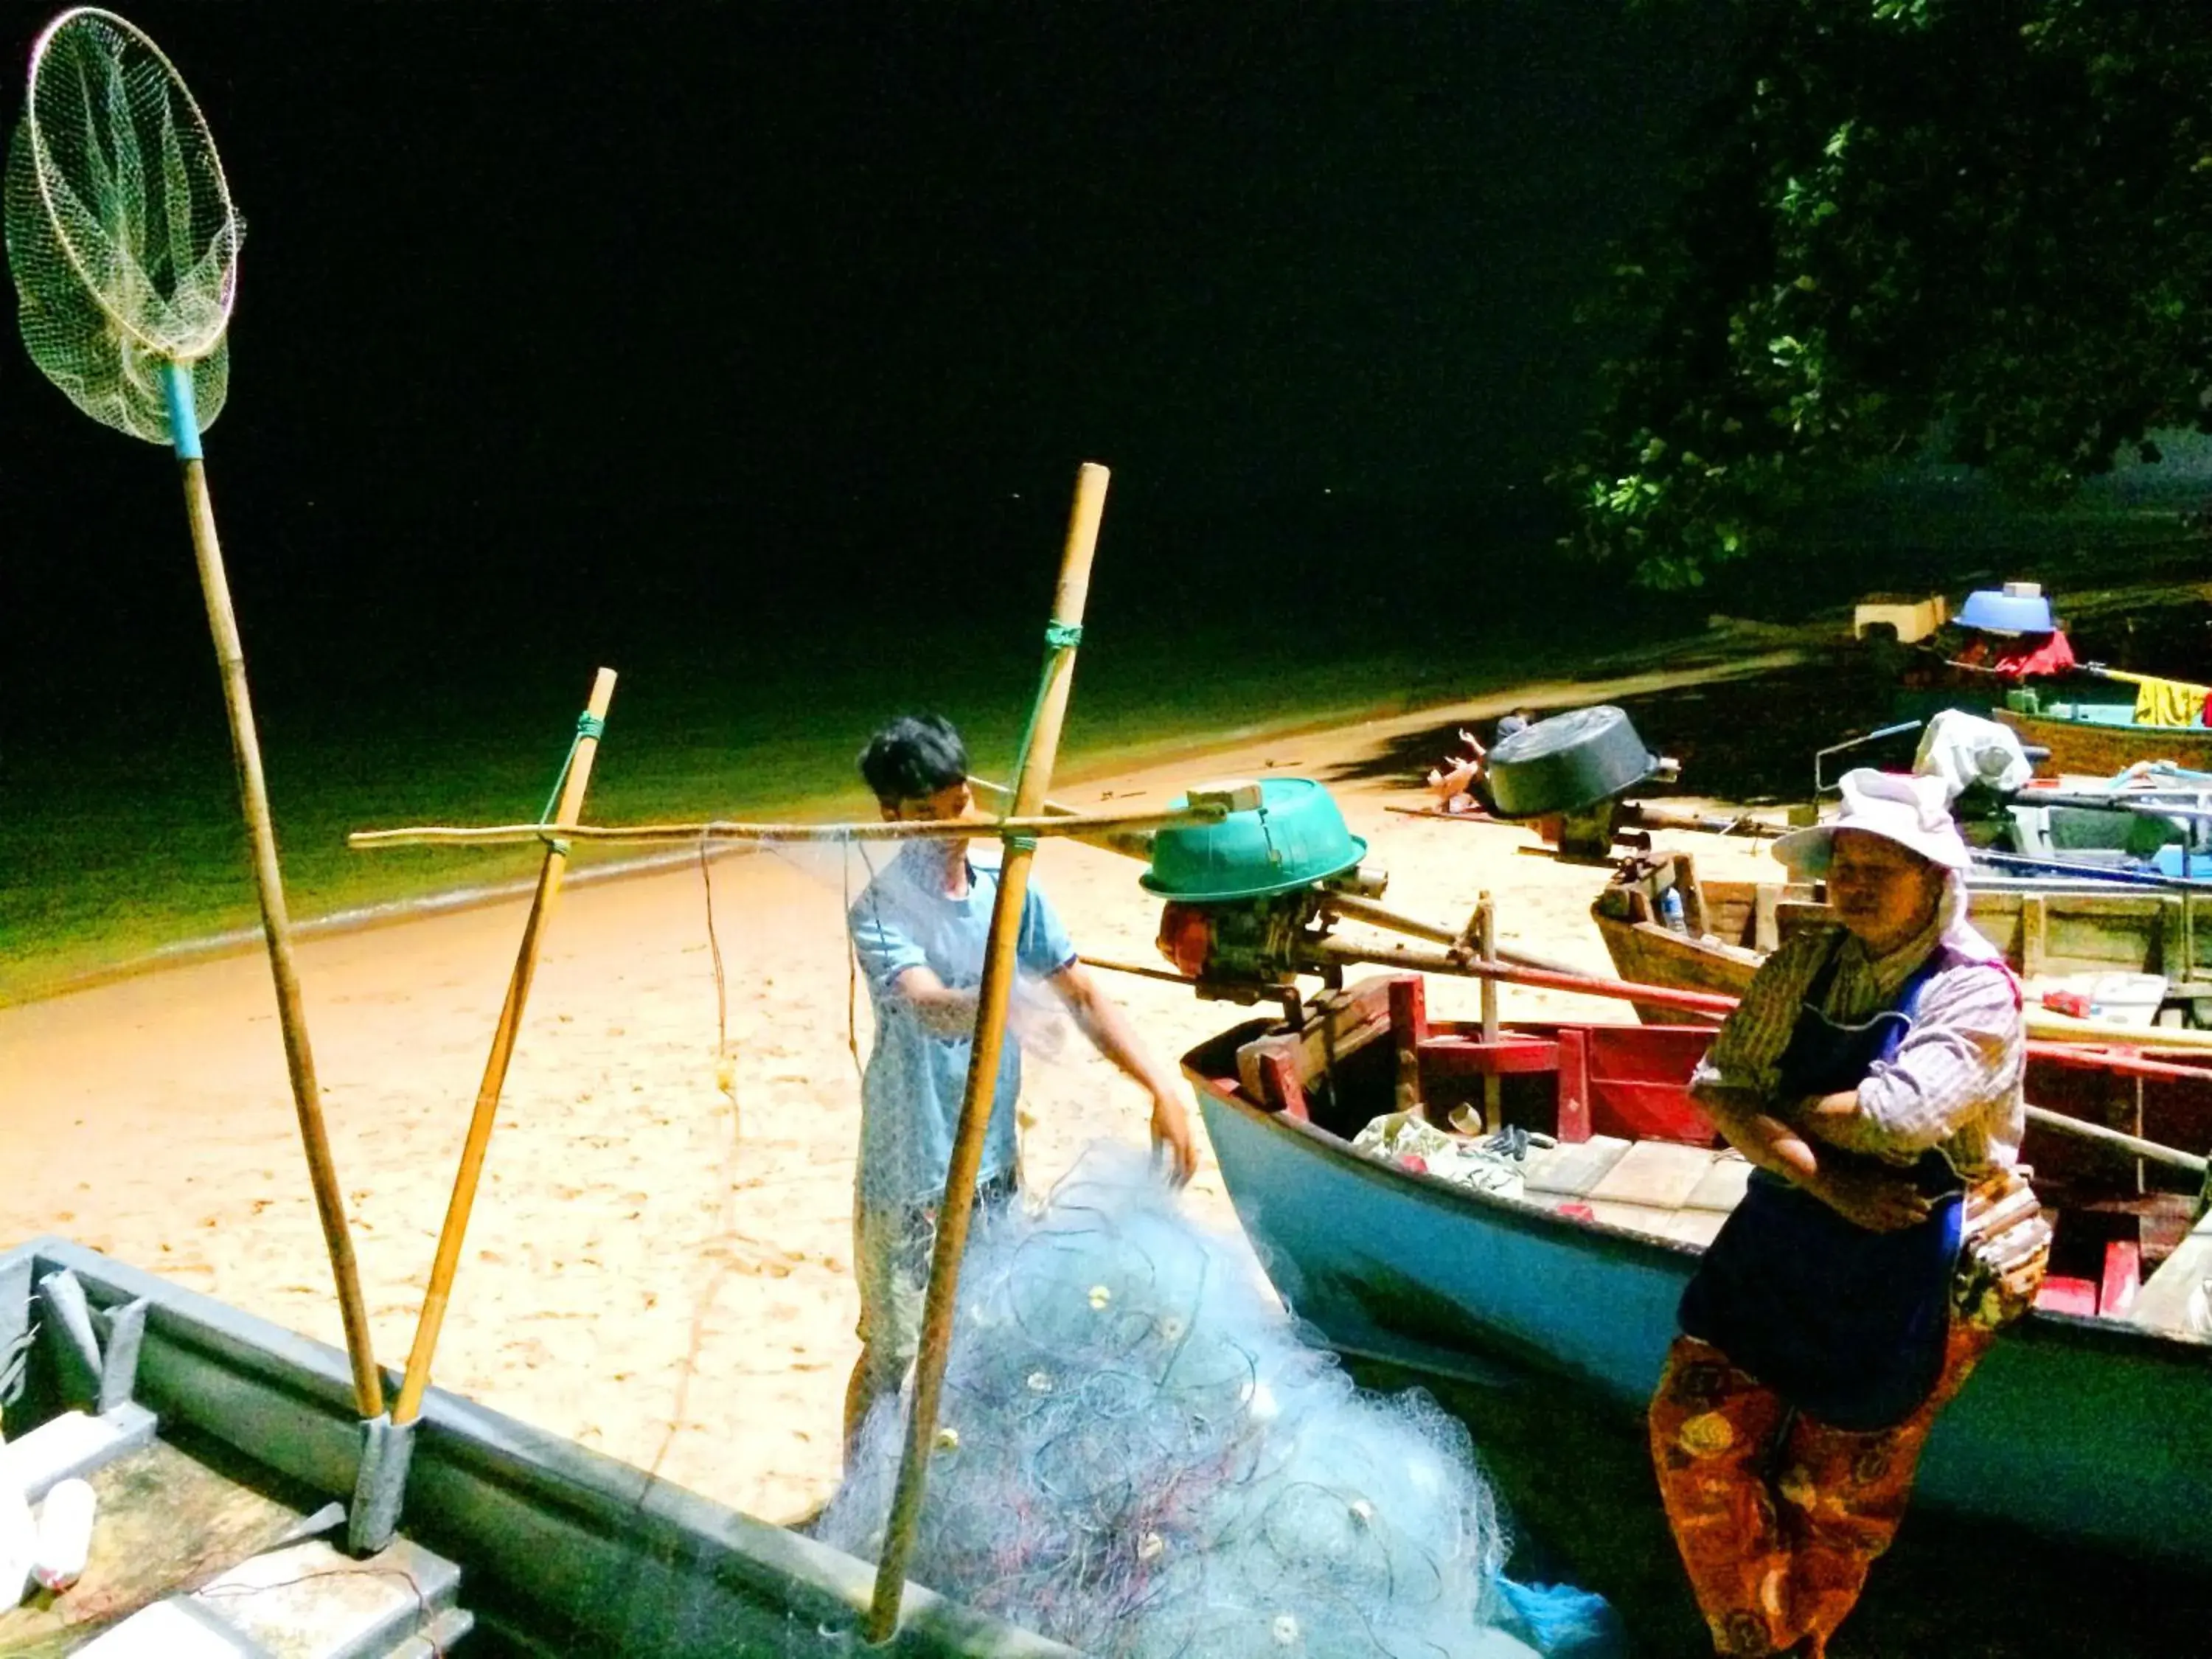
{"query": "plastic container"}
[(1567, 763), (1295, 837), (1670, 911), (2015, 608), (2113, 998), (19, 1543), (64, 1534)]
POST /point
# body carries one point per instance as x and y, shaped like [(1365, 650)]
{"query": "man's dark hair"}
[(913, 756)]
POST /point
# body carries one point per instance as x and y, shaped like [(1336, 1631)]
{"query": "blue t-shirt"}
[(910, 1099)]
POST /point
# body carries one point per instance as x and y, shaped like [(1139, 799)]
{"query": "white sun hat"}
[(1914, 811)]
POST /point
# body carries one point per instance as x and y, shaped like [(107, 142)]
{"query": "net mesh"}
[(1139, 1455), (121, 235)]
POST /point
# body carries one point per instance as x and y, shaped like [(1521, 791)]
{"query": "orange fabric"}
[(1779, 1518)]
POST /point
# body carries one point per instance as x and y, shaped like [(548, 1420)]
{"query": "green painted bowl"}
[(1296, 837)]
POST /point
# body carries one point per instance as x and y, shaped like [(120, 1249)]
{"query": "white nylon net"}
[(121, 234)]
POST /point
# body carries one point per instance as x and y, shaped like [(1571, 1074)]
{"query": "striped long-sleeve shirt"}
[(1954, 1082)]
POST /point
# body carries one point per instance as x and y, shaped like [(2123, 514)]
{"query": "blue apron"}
[(1846, 1324)]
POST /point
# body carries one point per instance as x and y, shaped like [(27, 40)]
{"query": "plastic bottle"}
[(64, 1534), (1670, 911)]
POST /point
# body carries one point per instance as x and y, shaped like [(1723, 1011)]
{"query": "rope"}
[(725, 1066), (590, 725), (1061, 639), (852, 966)]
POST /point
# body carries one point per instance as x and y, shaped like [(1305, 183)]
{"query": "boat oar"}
[(2150, 1151), (380, 1483), (1333, 951), (2068, 1041), (1355, 909), (1032, 780)]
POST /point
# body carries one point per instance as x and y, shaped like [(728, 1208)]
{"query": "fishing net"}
[(121, 234), (1139, 1456)]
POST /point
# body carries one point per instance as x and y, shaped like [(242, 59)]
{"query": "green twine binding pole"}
[(588, 724), (1059, 639)]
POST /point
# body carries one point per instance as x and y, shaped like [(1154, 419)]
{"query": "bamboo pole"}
[(276, 920), (447, 1263), (1082, 824), (1032, 781), (1486, 935), (1130, 841)]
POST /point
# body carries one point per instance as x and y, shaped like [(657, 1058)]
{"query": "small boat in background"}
[(2091, 1419), (2047, 929), (2098, 739)]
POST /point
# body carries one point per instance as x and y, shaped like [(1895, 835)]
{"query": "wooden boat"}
[(2093, 1424), (2044, 928), (559, 1549), (2105, 746)]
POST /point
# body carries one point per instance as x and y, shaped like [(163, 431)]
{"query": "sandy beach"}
[(658, 1269)]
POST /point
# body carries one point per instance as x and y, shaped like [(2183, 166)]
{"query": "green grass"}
[(110, 854)]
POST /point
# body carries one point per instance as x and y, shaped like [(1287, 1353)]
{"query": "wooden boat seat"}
[(1657, 1187), (1571, 1168)]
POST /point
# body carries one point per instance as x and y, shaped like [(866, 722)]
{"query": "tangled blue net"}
[(1138, 1455)]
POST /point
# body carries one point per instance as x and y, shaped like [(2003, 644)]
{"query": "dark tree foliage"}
[(1980, 230)]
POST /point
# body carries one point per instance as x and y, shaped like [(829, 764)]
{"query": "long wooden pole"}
[(276, 928), (1485, 926), (1082, 825), (542, 904), (1031, 785)]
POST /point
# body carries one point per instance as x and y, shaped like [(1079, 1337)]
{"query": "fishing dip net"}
[(121, 234)]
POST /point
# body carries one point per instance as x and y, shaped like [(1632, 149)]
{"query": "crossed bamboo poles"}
[(1030, 819)]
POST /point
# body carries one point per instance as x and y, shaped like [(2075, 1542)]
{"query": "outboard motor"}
[(1576, 768)]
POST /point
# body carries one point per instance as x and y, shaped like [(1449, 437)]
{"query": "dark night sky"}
[(560, 320)]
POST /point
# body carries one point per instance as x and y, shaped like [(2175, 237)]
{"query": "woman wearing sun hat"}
[(1871, 1073)]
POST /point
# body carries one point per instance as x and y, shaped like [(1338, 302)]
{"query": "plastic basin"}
[(1567, 763), (2001, 612), (1296, 837)]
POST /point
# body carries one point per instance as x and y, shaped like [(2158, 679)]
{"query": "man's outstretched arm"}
[(1109, 1029)]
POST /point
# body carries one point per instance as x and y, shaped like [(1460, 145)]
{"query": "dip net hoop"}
[(122, 235)]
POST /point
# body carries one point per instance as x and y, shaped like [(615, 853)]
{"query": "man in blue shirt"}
[(919, 930)]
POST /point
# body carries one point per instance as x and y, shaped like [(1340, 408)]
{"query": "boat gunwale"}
[(470, 1460)]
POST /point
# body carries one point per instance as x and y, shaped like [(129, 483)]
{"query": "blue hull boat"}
[(2093, 1426)]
